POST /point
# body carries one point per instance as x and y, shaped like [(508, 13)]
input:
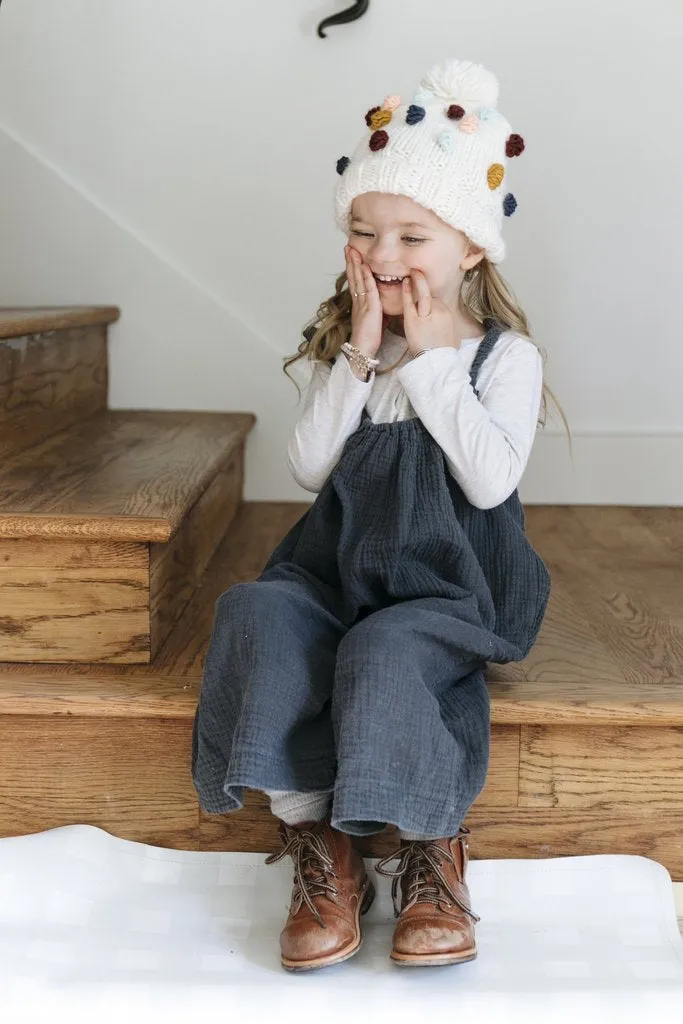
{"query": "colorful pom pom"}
[(445, 140), (514, 145), (495, 175), (378, 140), (415, 114), (469, 124), (342, 163), (455, 112), (380, 118), (391, 102), (487, 114), (368, 116), (509, 204), (423, 95)]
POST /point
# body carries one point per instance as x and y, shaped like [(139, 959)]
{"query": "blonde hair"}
[(485, 294)]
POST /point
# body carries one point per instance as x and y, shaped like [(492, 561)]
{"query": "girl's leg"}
[(263, 717), (411, 713)]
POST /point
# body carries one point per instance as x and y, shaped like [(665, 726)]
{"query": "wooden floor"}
[(570, 773)]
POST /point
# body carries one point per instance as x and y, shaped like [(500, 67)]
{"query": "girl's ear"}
[(473, 256)]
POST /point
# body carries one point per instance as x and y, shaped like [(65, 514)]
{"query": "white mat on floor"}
[(98, 928)]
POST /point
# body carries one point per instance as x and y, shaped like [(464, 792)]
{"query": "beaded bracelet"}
[(358, 360)]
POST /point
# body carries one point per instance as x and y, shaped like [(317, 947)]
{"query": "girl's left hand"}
[(422, 330)]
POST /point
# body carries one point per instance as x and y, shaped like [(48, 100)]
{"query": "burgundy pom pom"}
[(514, 145), (378, 140), (342, 163), (368, 116), (455, 112)]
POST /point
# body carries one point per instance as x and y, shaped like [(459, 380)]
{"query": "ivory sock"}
[(293, 807)]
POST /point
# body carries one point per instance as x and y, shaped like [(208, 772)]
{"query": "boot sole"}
[(431, 960), (301, 966)]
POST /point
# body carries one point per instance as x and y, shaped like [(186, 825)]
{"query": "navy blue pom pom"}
[(342, 163), (509, 204), (415, 114)]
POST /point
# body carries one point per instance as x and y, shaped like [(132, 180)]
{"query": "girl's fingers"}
[(356, 279), (350, 272), (407, 296), (370, 285), (424, 296)]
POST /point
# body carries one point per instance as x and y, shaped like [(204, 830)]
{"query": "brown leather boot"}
[(331, 891), (436, 923)]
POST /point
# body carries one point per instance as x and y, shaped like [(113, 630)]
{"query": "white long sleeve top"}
[(486, 441)]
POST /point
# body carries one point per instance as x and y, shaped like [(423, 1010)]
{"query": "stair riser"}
[(177, 568), (66, 601), (109, 602), (132, 778), (49, 381)]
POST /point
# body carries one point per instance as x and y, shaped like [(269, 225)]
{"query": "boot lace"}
[(420, 861), (313, 865)]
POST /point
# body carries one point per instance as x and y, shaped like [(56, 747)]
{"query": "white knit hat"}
[(446, 149)]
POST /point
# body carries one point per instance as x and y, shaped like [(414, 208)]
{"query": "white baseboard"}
[(607, 469)]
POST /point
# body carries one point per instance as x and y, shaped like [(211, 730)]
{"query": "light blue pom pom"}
[(423, 96), (445, 140), (487, 114)]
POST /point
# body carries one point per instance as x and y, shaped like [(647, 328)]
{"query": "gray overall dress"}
[(355, 663)]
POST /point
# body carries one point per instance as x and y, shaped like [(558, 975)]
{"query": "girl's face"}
[(395, 235)]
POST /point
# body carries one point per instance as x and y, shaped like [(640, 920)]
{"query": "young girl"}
[(349, 680)]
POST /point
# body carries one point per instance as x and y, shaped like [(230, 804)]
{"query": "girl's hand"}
[(427, 322), (366, 312)]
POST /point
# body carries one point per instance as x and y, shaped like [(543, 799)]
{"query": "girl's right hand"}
[(366, 312)]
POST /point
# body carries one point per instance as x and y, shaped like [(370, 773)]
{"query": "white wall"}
[(178, 159)]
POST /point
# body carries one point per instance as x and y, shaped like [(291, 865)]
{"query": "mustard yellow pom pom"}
[(380, 118), (496, 173)]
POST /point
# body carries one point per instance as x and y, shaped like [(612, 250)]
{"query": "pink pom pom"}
[(469, 124), (391, 102)]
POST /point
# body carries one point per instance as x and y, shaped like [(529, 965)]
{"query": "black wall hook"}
[(350, 14)]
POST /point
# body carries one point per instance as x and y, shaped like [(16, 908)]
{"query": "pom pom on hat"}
[(415, 114), (514, 145), (509, 204), (463, 82)]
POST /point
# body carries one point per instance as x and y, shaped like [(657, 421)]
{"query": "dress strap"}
[(493, 333)]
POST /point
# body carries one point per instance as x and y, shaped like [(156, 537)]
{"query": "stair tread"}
[(553, 688), (124, 475), (16, 321)]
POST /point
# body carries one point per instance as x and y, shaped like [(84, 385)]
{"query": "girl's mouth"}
[(387, 285)]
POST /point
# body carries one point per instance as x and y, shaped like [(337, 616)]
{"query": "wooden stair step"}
[(53, 370), (585, 757), (107, 527), (17, 321)]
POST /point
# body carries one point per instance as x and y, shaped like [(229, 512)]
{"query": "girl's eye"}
[(408, 238)]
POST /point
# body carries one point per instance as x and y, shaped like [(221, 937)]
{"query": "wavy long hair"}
[(485, 294)]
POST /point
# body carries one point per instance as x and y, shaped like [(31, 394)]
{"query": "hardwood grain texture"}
[(48, 382), (128, 475), (74, 599), (586, 739), (128, 777), (16, 321), (75, 614)]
